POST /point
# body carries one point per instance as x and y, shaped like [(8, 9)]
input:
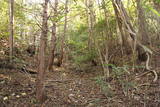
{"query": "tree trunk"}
[(91, 22), (53, 39), (42, 67), (64, 35), (123, 23), (106, 70), (157, 7), (126, 28), (144, 53), (53, 46), (11, 11), (142, 24)]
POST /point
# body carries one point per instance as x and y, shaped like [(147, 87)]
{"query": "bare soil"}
[(68, 87)]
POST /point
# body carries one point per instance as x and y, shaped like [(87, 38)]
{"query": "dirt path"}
[(65, 88)]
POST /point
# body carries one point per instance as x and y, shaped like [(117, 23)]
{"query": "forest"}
[(79, 53)]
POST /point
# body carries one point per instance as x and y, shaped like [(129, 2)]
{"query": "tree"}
[(142, 23), (123, 23), (42, 67), (91, 22), (128, 31), (106, 69), (64, 35), (11, 12), (53, 38)]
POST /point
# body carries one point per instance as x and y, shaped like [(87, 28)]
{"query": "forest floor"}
[(68, 87)]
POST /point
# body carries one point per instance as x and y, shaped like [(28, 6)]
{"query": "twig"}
[(60, 81)]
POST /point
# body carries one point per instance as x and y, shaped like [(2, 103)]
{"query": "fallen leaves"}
[(14, 95), (5, 98)]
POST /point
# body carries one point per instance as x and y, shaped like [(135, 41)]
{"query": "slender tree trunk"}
[(157, 7), (142, 24), (107, 36), (64, 35), (34, 42), (42, 67), (53, 46), (91, 22), (11, 11), (53, 39)]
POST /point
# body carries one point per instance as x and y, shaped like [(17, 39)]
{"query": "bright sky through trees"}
[(39, 1), (34, 1)]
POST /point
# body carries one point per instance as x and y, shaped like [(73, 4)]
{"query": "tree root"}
[(148, 70)]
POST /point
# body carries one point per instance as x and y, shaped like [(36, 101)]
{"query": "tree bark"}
[(106, 70), (11, 12), (144, 53), (42, 67), (53, 39), (157, 7), (124, 24), (126, 28), (64, 35), (91, 22), (142, 24)]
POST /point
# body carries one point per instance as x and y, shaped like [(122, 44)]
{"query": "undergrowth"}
[(120, 78)]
